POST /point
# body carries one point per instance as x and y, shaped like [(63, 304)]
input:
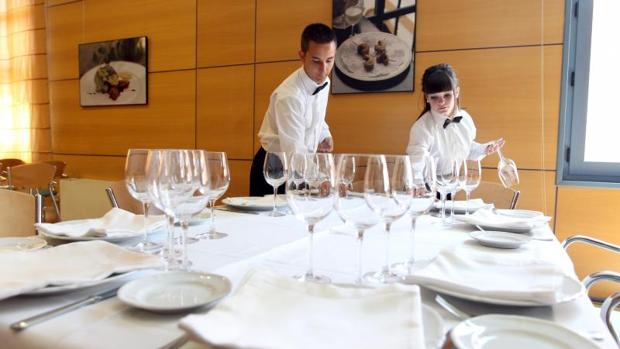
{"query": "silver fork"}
[(458, 313)]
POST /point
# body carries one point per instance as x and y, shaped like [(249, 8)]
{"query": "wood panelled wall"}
[(213, 64)]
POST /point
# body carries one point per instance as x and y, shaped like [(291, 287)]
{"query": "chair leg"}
[(55, 203), (607, 309)]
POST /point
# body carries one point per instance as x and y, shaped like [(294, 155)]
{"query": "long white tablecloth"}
[(279, 244)]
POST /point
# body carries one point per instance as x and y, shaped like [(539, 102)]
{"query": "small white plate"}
[(30, 243), (433, 327), (500, 239), (511, 332), (112, 239), (258, 203), (174, 291), (518, 213)]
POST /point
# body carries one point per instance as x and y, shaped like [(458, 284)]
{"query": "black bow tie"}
[(318, 89), (456, 119)]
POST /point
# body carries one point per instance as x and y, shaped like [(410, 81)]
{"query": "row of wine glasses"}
[(454, 175), (179, 182)]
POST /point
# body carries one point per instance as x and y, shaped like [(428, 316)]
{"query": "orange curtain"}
[(23, 76)]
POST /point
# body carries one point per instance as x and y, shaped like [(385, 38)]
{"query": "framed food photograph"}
[(114, 72), (376, 45)]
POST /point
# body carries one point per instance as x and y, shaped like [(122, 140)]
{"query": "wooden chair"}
[(610, 303), (60, 168), (19, 213), (494, 193), (119, 197), (34, 178), (4, 164)]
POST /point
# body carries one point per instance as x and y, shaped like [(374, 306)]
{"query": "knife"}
[(25, 323), (228, 209)]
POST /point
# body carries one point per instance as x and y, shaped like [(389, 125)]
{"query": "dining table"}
[(280, 244)]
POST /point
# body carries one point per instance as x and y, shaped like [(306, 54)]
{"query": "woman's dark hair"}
[(438, 78), (317, 32)]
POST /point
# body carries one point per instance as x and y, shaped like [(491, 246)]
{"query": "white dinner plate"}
[(135, 93), (500, 239), (174, 291), (570, 290), (496, 331), (256, 203), (519, 213), (433, 328), (30, 243), (55, 289), (113, 238)]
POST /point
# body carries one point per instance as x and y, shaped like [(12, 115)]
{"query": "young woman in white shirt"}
[(444, 130)]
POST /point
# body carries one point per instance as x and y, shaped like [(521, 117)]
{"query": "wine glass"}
[(275, 170), (136, 182), (350, 204), (218, 176), (176, 184), (424, 187), (507, 171), (353, 15), (388, 190), (470, 172), (310, 193), (447, 177)]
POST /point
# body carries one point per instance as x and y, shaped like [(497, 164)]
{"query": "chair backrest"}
[(494, 193), (19, 213), (31, 176), (119, 197), (60, 167), (4, 163)]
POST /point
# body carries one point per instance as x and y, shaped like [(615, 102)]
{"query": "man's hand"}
[(326, 146), (492, 148)]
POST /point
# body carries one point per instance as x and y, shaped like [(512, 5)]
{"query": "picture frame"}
[(375, 46), (114, 72)]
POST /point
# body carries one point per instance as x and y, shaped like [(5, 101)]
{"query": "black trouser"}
[(258, 184)]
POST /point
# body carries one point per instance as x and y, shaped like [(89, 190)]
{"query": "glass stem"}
[(452, 194), (170, 259), (145, 207), (360, 244), (275, 197), (443, 207), (387, 268), (311, 251), (212, 204), (414, 219), (184, 260), (467, 203)]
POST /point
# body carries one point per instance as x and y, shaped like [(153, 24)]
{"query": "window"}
[(589, 137)]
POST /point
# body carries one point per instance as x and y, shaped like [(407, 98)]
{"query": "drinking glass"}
[(310, 193), (388, 190), (470, 172), (507, 171), (424, 187), (176, 184), (275, 170), (197, 202), (350, 204), (353, 14), (218, 179), (447, 178), (136, 182)]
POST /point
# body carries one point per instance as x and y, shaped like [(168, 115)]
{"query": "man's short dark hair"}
[(317, 32)]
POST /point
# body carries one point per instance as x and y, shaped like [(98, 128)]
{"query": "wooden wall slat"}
[(279, 25), (455, 24), (93, 167), (225, 110), (166, 122), (64, 32), (169, 25), (225, 32)]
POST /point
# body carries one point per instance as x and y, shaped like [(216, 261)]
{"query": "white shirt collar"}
[(440, 119), (309, 84)]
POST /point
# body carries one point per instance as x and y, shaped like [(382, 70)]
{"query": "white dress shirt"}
[(295, 119), (455, 142)]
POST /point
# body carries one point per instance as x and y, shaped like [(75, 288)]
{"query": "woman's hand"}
[(493, 147), (326, 146)]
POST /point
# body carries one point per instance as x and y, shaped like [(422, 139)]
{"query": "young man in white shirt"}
[(295, 119)]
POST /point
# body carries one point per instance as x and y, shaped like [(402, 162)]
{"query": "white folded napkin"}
[(116, 223), (460, 205), (255, 201), (497, 274), (277, 312), (67, 264), (488, 218)]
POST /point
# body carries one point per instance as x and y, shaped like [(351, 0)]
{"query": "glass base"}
[(276, 214), (309, 277), (147, 247), (211, 235), (408, 268), (177, 265), (381, 277), (192, 240)]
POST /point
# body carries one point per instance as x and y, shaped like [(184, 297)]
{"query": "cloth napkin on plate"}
[(277, 312), (72, 263), (255, 201), (488, 218), (504, 275), (460, 205), (116, 223)]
